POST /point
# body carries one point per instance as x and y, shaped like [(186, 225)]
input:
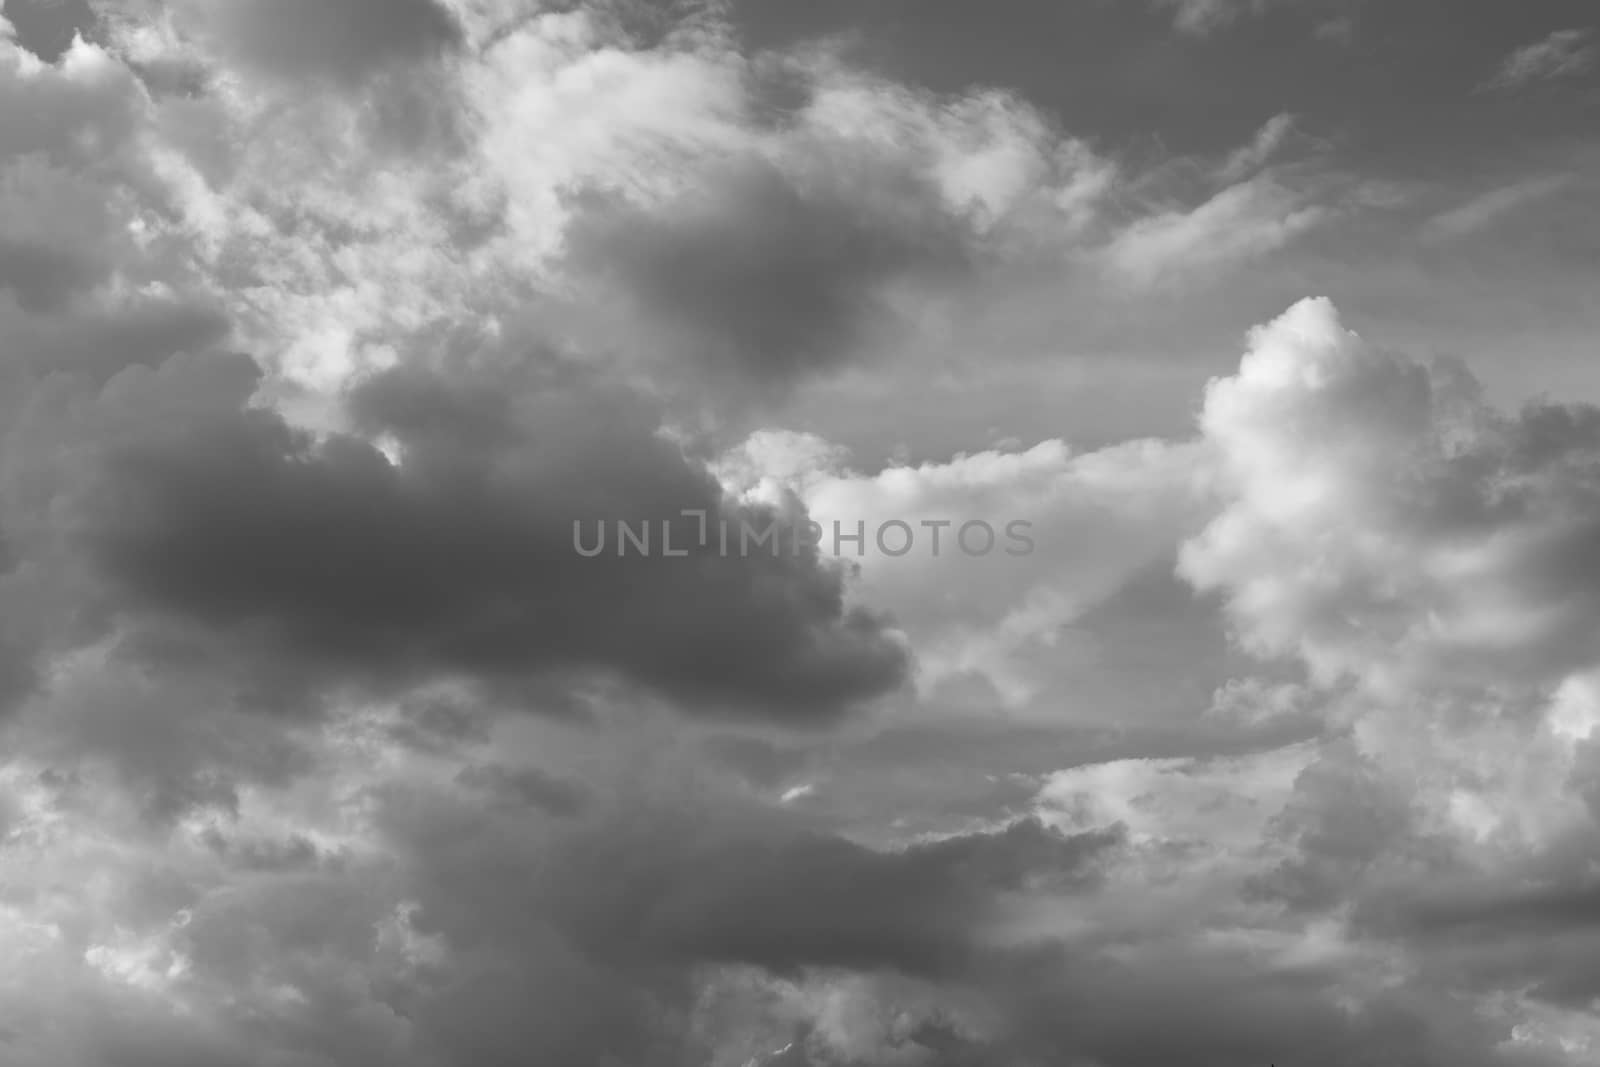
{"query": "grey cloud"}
[(174, 744), (1509, 912), (224, 559), (46, 27), (734, 890), (41, 278), (526, 787), (83, 123), (437, 725), (578, 942), (99, 343), (241, 536), (770, 274), (622, 910), (759, 762), (821, 901), (18, 676), (337, 40), (1217, 1011), (294, 853), (1343, 821), (1499, 930)]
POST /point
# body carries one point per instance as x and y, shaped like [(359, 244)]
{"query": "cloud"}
[(1381, 520), (341, 40), (766, 254), (772, 275), (321, 331), (1206, 16), (601, 935), (1068, 531), (1485, 210), (1268, 140), (1249, 219), (804, 900), (1201, 16), (47, 27), (539, 890), (1563, 54), (241, 538)]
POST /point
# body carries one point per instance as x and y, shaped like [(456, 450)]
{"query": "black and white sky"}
[(323, 321)]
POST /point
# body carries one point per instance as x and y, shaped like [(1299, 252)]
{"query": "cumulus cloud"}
[(1416, 528)]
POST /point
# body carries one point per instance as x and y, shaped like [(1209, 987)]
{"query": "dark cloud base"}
[(234, 533)]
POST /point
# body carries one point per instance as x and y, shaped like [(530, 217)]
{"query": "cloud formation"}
[(320, 328), (1384, 521), (238, 537), (1563, 54)]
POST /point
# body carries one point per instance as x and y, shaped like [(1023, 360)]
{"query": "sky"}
[(1175, 425)]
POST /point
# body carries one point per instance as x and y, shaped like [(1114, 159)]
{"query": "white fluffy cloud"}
[(1383, 522)]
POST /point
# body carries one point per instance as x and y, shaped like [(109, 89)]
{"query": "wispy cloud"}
[(1255, 155), (1245, 220), (1203, 16), (1484, 210), (1563, 54)]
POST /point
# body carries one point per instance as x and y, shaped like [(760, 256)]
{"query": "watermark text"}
[(774, 536)]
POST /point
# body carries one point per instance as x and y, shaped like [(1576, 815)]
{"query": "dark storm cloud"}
[(772, 274), (668, 886), (826, 902), (243, 537), (578, 939), (338, 40)]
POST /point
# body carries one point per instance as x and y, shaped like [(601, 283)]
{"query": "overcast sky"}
[(1267, 737)]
